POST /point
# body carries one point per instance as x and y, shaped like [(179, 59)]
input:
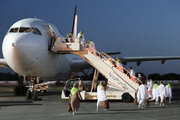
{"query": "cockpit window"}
[(36, 31), (14, 30), (25, 29)]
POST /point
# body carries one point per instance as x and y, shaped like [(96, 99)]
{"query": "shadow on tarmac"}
[(105, 113), (17, 103)]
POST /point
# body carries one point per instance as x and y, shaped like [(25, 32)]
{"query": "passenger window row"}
[(25, 30)]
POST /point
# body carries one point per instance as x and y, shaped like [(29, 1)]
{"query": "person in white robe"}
[(169, 92), (101, 95), (150, 86), (81, 37), (142, 95), (92, 47), (161, 93), (132, 74), (154, 91)]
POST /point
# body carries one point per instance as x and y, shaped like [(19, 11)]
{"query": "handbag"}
[(69, 108), (106, 105)]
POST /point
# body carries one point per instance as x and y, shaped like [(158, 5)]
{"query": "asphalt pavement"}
[(51, 107)]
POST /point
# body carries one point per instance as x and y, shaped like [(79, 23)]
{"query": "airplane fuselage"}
[(25, 49)]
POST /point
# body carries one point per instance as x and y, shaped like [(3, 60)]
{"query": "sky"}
[(133, 27)]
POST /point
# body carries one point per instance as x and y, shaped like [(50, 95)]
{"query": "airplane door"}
[(52, 38)]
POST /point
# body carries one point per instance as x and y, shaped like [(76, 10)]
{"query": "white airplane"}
[(26, 51)]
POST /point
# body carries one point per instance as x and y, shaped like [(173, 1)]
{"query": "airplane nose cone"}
[(17, 44), (22, 44), (16, 52)]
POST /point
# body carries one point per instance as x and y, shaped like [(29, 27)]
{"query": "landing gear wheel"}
[(28, 95), (20, 90), (35, 95), (126, 97)]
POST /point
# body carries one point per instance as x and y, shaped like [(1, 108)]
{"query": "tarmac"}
[(51, 107)]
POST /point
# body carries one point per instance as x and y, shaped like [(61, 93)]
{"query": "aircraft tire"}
[(126, 97), (28, 95), (20, 90), (35, 95)]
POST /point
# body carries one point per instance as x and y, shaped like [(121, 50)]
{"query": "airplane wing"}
[(113, 53), (3, 63), (138, 60)]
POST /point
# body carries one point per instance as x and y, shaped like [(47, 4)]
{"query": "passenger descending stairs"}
[(100, 61)]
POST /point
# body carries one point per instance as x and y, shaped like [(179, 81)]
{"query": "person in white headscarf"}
[(142, 95), (161, 93), (101, 96), (169, 92)]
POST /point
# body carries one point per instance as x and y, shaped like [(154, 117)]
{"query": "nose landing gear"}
[(32, 92)]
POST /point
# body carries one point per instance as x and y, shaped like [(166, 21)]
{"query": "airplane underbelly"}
[(54, 67)]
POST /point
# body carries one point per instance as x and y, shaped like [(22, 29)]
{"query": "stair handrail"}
[(101, 55), (106, 56)]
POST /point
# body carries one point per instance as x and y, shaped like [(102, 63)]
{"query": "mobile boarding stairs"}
[(117, 79)]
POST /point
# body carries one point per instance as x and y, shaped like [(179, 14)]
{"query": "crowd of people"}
[(148, 91), (153, 92)]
